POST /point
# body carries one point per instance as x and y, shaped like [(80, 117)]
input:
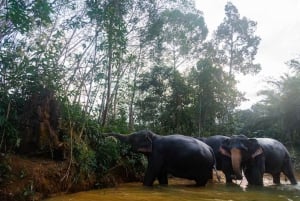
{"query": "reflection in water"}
[(183, 190)]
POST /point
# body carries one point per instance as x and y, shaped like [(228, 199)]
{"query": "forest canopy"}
[(125, 65)]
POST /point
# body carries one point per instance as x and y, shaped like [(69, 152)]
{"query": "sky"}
[(278, 26)]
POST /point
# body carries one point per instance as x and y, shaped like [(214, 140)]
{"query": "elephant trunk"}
[(236, 159), (120, 137)]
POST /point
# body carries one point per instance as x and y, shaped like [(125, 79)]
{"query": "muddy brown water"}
[(185, 190)]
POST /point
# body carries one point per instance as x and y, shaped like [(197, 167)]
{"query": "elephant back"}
[(276, 154)]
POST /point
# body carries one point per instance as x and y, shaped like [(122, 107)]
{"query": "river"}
[(184, 190)]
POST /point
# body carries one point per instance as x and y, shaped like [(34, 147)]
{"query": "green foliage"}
[(278, 114), (118, 124), (88, 51), (177, 36), (22, 16), (235, 38), (294, 64), (254, 123), (134, 163), (9, 117), (108, 153), (85, 158), (153, 86), (213, 92), (176, 116), (111, 154), (72, 115)]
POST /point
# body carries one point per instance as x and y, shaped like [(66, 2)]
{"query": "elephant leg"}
[(163, 178), (228, 177), (254, 171), (227, 170), (276, 178), (288, 171), (149, 177), (201, 180), (154, 170), (211, 175), (248, 175), (254, 176)]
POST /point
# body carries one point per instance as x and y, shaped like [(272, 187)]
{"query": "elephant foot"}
[(236, 177), (201, 183), (147, 185)]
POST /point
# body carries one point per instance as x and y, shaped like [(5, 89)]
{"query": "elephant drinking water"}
[(178, 155)]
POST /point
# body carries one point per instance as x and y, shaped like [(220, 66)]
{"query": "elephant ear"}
[(254, 147), (224, 148), (146, 143)]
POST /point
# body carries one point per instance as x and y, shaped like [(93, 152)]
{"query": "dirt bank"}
[(25, 178), (34, 178)]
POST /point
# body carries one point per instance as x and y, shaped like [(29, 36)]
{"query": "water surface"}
[(184, 190)]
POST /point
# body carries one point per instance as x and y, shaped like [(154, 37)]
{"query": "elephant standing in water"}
[(256, 156), (222, 162), (181, 156)]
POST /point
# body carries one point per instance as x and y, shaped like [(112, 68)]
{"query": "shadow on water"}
[(183, 190)]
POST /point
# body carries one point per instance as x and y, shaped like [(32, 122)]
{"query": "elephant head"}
[(240, 149), (140, 141)]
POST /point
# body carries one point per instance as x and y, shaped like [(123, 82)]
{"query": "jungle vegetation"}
[(83, 68)]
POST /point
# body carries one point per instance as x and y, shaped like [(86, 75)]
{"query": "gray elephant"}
[(256, 156), (178, 155), (223, 162)]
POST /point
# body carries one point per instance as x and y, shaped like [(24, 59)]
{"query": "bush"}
[(85, 158), (9, 121)]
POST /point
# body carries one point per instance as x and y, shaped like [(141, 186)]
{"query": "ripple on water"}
[(183, 190)]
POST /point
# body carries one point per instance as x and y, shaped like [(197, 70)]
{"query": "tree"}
[(176, 116), (109, 16), (294, 64), (278, 113), (154, 88), (176, 36), (213, 90), (19, 16), (237, 43)]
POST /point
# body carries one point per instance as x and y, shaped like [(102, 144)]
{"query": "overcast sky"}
[(278, 25)]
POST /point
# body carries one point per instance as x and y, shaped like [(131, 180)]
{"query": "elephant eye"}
[(244, 147)]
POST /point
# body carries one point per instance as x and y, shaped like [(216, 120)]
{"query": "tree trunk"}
[(109, 69), (131, 112)]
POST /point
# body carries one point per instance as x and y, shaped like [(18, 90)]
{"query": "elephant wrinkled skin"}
[(256, 156), (222, 162), (178, 155)]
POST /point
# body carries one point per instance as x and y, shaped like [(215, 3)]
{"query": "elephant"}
[(178, 155), (256, 156), (222, 162)]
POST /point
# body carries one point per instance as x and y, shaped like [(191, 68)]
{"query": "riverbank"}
[(24, 178), (31, 178)]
